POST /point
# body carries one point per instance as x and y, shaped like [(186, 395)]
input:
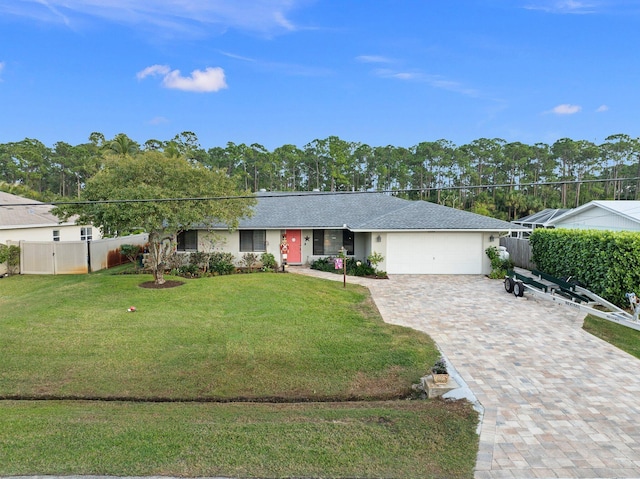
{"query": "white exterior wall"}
[(380, 246), (229, 242), (599, 219), (307, 247), (45, 233), (403, 252)]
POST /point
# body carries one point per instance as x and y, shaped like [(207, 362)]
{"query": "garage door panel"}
[(434, 253)]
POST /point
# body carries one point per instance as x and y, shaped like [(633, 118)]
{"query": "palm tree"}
[(122, 145)]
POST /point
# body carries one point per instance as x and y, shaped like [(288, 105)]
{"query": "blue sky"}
[(276, 72)]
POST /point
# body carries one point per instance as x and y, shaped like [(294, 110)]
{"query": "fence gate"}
[(52, 257)]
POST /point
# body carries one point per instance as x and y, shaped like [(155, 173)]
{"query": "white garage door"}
[(434, 253)]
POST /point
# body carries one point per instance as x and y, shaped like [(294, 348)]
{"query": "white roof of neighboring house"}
[(26, 213), (602, 214), (541, 218)]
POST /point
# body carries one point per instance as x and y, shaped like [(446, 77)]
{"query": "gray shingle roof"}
[(23, 216), (361, 212)]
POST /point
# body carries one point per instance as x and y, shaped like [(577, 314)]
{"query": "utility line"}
[(319, 193)]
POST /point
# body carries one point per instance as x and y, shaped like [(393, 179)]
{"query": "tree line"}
[(487, 176)]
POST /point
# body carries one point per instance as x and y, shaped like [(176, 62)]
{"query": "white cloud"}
[(1, 68), (435, 81), (602, 108), (566, 109), (153, 70), (181, 16), (563, 6), (51, 7), (158, 120), (237, 57), (406, 76), (373, 59), (210, 79), (386, 73)]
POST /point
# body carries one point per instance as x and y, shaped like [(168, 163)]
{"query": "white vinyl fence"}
[(105, 253), (74, 257)]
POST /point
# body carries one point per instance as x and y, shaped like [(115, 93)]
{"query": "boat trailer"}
[(570, 294)]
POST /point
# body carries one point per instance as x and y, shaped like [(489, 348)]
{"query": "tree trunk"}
[(156, 255), (158, 274)]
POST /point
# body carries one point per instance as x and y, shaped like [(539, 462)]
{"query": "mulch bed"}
[(165, 285)]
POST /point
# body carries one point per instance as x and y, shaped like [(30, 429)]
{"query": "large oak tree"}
[(158, 194)]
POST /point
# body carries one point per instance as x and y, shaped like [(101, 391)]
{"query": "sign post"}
[(343, 260)]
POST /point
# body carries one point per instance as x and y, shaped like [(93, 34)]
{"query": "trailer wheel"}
[(508, 285), (518, 289)]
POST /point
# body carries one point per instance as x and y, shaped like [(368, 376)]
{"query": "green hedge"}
[(605, 262)]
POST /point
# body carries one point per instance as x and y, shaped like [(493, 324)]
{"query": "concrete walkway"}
[(557, 401)]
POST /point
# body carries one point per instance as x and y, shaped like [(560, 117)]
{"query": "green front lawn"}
[(258, 337), (229, 337)]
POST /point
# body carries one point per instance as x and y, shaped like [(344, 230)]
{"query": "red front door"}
[(295, 246)]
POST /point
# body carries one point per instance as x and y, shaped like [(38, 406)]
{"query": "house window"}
[(326, 242), (56, 235), (85, 234), (253, 240), (188, 240)]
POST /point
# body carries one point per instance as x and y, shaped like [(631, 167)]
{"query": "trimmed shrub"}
[(605, 262), (200, 259), (249, 260), (131, 251), (11, 256), (268, 262), (189, 271), (222, 263)]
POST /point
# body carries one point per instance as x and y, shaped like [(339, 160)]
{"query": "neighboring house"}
[(414, 237), (24, 221), (540, 219), (30, 220), (613, 215)]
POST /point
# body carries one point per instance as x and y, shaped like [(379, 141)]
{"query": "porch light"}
[(491, 238), (378, 239)]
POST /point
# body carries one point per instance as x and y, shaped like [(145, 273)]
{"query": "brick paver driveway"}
[(557, 401)]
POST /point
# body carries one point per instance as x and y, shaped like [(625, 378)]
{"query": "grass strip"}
[(620, 336), (403, 439)]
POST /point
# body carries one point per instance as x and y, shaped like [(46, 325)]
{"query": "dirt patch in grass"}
[(165, 285), (386, 386)]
